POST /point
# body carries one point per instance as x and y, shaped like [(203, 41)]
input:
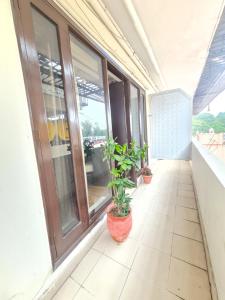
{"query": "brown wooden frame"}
[(65, 26)]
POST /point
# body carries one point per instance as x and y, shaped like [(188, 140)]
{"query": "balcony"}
[(75, 73), (164, 256)]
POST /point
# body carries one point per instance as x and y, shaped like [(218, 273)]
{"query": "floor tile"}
[(162, 208), (67, 291), (156, 238), (137, 228), (123, 253), (185, 179), (152, 264), (106, 280), (188, 214), (188, 194), (185, 187), (188, 282), (138, 288), (83, 295), (85, 266), (186, 202), (160, 221), (189, 251), (102, 241), (188, 229)]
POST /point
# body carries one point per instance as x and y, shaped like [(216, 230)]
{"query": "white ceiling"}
[(178, 32)]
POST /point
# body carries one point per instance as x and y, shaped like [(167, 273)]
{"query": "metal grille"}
[(51, 74)]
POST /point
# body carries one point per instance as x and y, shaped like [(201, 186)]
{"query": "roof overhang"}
[(212, 80)]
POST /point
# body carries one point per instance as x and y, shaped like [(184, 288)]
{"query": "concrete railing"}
[(209, 182)]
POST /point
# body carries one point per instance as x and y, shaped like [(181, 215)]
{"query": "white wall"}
[(24, 252), (170, 125), (209, 181)]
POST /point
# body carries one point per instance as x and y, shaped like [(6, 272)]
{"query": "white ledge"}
[(216, 165)]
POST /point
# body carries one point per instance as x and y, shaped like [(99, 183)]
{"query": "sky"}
[(217, 105)]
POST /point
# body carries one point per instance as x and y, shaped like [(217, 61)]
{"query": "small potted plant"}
[(146, 174), (123, 158)]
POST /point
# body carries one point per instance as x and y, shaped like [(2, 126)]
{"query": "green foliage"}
[(89, 129), (203, 122), (88, 147), (146, 171), (124, 157)]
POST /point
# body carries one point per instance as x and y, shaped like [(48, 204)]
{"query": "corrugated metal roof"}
[(212, 80)]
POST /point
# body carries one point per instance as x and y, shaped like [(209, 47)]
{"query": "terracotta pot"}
[(119, 227), (147, 179)]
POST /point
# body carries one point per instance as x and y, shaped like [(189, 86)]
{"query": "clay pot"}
[(119, 227), (147, 179)]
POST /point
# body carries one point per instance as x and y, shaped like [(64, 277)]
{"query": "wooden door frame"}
[(59, 243)]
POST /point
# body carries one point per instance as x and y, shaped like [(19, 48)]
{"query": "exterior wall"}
[(24, 253), (209, 181), (170, 125)]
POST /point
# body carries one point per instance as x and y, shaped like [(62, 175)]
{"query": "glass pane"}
[(55, 106), (143, 118), (143, 121), (92, 114), (134, 116)]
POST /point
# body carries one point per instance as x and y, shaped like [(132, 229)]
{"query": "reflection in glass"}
[(92, 114), (56, 111), (135, 129)]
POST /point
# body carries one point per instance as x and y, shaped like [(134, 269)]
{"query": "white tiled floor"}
[(163, 258)]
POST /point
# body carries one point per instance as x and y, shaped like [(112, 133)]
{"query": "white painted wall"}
[(24, 252), (170, 125), (209, 181)]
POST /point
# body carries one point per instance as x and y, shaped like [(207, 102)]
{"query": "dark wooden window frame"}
[(24, 30)]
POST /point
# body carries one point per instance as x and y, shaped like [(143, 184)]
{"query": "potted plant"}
[(123, 159), (146, 174)]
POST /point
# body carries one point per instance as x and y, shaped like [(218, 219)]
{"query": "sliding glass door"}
[(69, 95), (135, 123), (50, 65), (88, 77)]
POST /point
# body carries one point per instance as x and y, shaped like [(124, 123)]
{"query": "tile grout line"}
[(81, 284), (171, 249), (177, 204), (172, 293), (206, 271), (178, 258), (188, 237), (128, 273)]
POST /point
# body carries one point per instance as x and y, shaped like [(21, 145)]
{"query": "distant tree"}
[(218, 127), (97, 131), (199, 125), (207, 118), (87, 129), (203, 122), (221, 118)]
